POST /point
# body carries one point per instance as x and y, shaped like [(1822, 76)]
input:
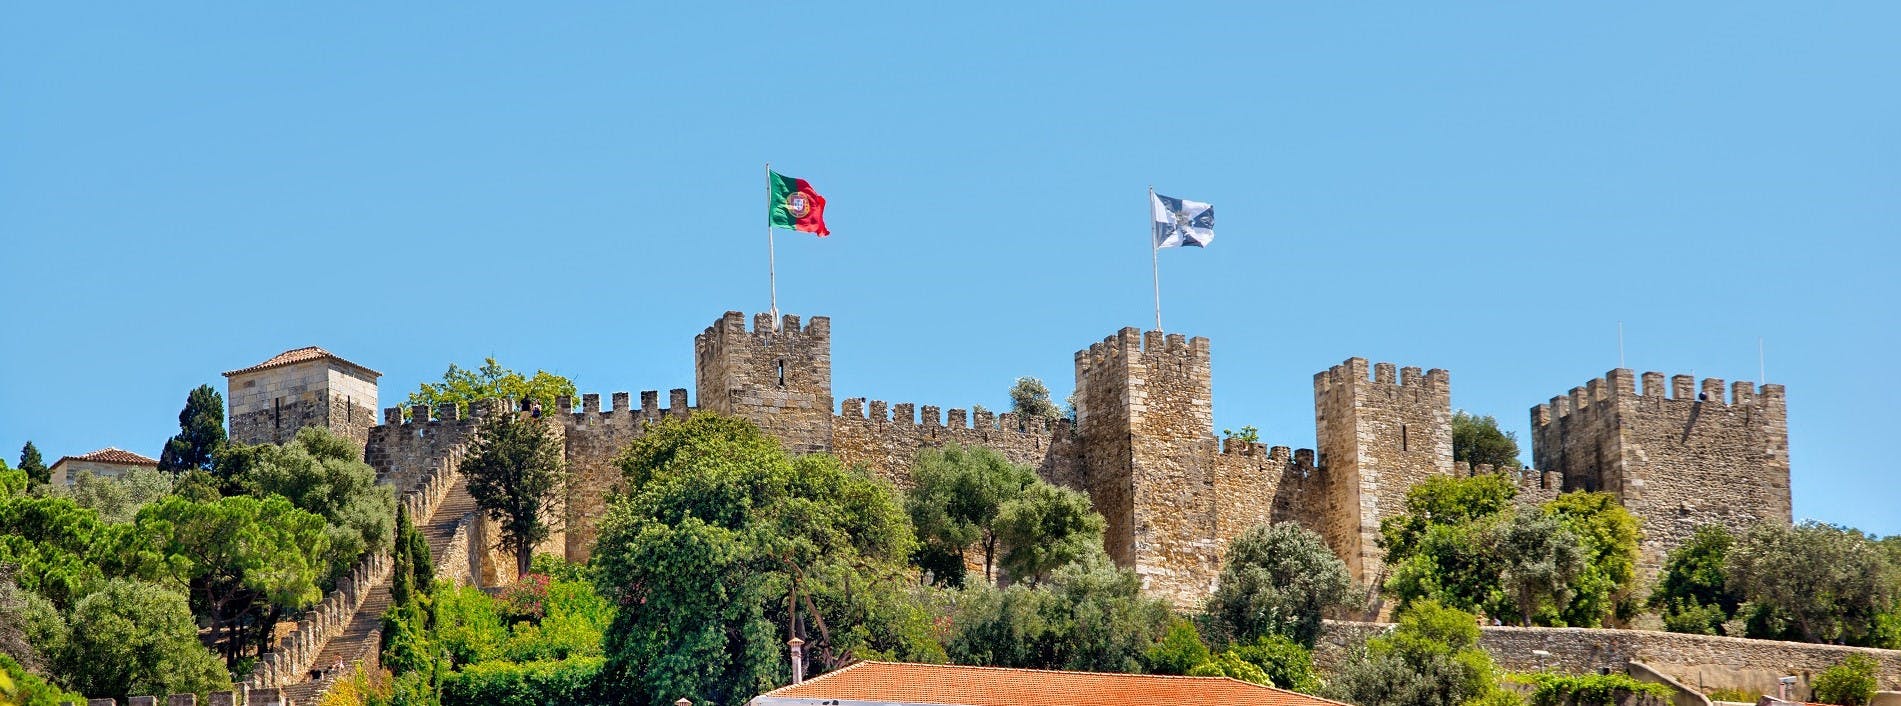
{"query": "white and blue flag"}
[(1179, 222)]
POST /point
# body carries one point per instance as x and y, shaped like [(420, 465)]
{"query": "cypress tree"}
[(200, 433), (34, 466)]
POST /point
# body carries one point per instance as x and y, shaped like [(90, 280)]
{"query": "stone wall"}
[(778, 377), (1255, 485), (269, 406), (594, 438), (1378, 438), (1704, 662), (887, 444), (1535, 487), (1677, 458)]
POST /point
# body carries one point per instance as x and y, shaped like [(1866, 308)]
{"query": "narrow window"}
[(1402, 437), (277, 412), (781, 365)]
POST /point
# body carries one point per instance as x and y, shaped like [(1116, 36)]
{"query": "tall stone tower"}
[(1676, 458), (1146, 425), (1378, 438), (303, 387), (777, 376)]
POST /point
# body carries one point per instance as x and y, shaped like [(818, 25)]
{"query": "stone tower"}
[(303, 387), (1675, 458), (1378, 438), (1145, 423), (778, 377)]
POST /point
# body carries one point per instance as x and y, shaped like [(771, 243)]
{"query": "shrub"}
[(1286, 663), (1553, 689), (1850, 683), (1179, 650), (565, 683)]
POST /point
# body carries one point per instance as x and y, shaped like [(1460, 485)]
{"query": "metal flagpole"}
[(1155, 258), (772, 274)]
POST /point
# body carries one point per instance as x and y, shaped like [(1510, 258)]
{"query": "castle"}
[(1142, 443)]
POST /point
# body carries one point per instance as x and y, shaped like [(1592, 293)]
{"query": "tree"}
[(1436, 549), (491, 381), (118, 499), (1280, 580), (1090, 616), (1045, 528), (1851, 683), (245, 561), (13, 482), (1608, 535), (21, 687), (1179, 650), (1818, 582), (514, 471), (322, 473), (1692, 591), (1538, 560), (721, 545), (200, 433), (1030, 399), (1477, 440), (34, 466), (135, 638), (956, 497), (1279, 662), (1430, 659)]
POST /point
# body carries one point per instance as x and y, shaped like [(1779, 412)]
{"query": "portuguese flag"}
[(793, 203)]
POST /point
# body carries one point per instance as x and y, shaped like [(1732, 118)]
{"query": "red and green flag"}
[(793, 203)]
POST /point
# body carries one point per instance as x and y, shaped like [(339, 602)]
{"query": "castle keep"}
[(1142, 444)]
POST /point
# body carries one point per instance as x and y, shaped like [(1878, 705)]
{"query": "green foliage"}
[(1814, 582), (1608, 535), (1477, 439), (200, 433), (1444, 500), (19, 687), (1538, 559), (1692, 591), (1430, 659), (514, 470), (33, 465), (491, 381), (1230, 665), (576, 616), (1249, 434), (719, 534), (1030, 399), (199, 487), (57, 546), (1278, 580), (322, 473), (1736, 695), (118, 499), (1851, 683), (565, 683), (1285, 663), (13, 482), (956, 497), (411, 570), (1089, 616), (137, 638), (1045, 528), (1554, 689), (1179, 650)]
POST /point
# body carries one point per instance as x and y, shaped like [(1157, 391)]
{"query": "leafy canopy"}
[(1693, 591), (1814, 582), (490, 381), (135, 638), (1278, 580), (1477, 439), (1090, 616), (514, 470), (200, 433), (1030, 399), (1431, 658), (34, 466), (324, 474)]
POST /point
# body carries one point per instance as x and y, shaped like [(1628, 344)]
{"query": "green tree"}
[(491, 381), (1851, 683), (1285, 663), (956, 497), (1477, 439), (134, 638), (245, 561), (1179, 650), (1281, 580), (1045, 528), (1817, 582), (118, 499), (322, 473), (200, 433), (1030, 399), (1090, 616), (56, 544), (34, 466), (21, 687), (13, 482), (1608, 534), (514, 470), (1430, 659), (1436, 549), (1538, 559), (1692, 591), (721, 545)]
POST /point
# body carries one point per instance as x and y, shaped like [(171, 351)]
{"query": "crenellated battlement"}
[(734, 323), (1132, 344), (1622, 384), (1353, 373), (621, 410), (933, 417)]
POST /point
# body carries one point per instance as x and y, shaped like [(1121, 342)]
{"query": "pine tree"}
[(200, 433), (34, 466)]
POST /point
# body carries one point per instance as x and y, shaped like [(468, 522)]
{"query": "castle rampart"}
[(887, 446), (1378, 438), (594, 438)]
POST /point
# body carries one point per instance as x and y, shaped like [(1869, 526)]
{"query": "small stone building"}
[(301, 387), (104, 463)]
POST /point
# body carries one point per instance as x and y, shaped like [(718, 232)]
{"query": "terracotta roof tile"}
[(994, 686), (111, 455), (300, 355)]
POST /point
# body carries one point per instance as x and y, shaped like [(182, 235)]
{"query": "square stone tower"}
[(1378, 438), (1145, 421), (1676, 458), (777, 376), (303, 387)]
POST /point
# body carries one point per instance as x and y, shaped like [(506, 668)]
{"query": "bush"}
[(18, 686), (1851, 683), (565, 683), (1554, 689), (1179, 650), (1286, 663)]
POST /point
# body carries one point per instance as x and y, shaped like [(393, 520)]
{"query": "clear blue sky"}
[(188, 188)]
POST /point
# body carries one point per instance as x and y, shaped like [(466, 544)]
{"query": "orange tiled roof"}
[(300, 355), (111, 455), (995, 686)]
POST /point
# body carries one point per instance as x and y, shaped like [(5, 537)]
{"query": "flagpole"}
[(1155, 258), (772, 274)]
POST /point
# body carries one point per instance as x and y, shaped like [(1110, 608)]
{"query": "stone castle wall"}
[(594, 438), (887, 441), (1677, 458), (777, 375), (1378, 438)]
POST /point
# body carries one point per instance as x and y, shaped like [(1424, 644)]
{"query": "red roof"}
[(111, 455), (996, 686), (300, 355)]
